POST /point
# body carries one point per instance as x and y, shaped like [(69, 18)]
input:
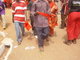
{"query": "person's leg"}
[(33, 28), (22, 28), (63, 24), (3, 21), (45, 32), (45, 35), (40, 37), (18, 34), (51, 32)]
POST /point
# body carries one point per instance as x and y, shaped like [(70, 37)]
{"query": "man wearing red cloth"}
[(73, 23), (53, 9), (8, 3)]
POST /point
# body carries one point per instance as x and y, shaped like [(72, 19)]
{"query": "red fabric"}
[(27, 25), (73, 25), (4, 0), (51, 19), (8, 3), (27, 3), (52, 4), (54, 11)]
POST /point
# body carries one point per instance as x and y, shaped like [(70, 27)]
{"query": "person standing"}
[(53, 9), (2, 14), (18, 12), (73, 22), (40, 23), (64, 4), (30, 17)]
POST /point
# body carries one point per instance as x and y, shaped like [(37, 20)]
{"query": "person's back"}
[(74, 5)]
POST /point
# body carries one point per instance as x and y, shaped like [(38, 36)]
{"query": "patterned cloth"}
[(18, 9), (40, 6)]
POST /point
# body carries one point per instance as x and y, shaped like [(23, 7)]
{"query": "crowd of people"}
[(42, 14)]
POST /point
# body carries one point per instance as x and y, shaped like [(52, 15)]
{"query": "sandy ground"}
[(56, 50)]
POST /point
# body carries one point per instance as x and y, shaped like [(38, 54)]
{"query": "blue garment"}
[(42, 33), (19, 30)]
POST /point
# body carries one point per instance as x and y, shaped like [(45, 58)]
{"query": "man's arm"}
[(48, 8), (13, 11), (33, 9), (13, 18), (54, 8)]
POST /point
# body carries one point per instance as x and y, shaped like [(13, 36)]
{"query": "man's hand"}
[(36, 13), (12, 20)]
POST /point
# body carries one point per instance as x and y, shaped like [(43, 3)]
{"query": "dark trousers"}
[(63, 20), (42, 33), (32, 21)]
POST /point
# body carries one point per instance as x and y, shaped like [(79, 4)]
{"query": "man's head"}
[(17, 0), (49, 1), (41, 0)]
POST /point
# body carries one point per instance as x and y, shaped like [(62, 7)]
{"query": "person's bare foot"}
[(41, 49), (74, 41)]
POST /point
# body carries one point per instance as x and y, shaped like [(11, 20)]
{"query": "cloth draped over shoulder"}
[(50, 18)]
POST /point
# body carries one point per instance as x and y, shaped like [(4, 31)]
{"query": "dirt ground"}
[(56, 50)]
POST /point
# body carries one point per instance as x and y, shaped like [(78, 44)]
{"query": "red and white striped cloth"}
[(18, 9)]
